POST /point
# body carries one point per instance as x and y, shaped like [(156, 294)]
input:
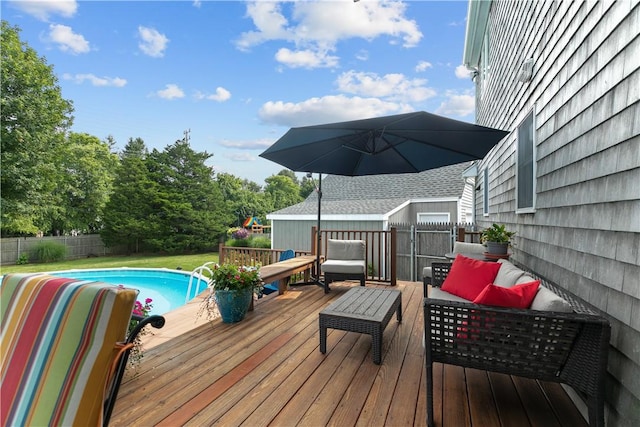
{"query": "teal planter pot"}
[(233, 305)]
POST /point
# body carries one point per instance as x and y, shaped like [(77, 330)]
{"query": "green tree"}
[(130, 214), (282, 191), (84, 189), (192, 213), (34, 118), (307, 186), (245, 198)]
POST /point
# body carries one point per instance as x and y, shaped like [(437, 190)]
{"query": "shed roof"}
[(379, 194)]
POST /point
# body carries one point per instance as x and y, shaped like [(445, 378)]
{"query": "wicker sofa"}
[(560, 338)]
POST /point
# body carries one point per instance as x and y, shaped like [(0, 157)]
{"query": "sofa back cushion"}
[(346, 249), (468, 277), (59, 340), (547, 300), (508, 274)]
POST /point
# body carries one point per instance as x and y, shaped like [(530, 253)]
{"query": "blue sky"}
[(239, 74)]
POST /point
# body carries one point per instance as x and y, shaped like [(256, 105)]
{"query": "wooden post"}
[(394, 253)]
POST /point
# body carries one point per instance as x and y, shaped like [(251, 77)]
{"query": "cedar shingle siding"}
[(584, 231)]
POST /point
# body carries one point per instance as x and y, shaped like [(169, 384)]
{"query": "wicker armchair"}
[(569, 348)]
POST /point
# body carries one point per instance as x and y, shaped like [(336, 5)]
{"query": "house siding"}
[(585, 231)]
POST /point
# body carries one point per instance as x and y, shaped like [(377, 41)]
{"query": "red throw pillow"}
[(468, 277), (518, 296)]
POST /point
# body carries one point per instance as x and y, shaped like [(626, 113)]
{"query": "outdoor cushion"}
[(547, 300), (343, 267), (468, 277), (468, 248), (438, 293), (517, 296), (59, 341), (346, 249), (508, 274)]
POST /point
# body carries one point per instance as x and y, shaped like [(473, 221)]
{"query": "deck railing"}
[(381, 251)]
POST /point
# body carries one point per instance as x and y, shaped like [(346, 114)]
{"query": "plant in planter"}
[(497, 239), (231, 289)]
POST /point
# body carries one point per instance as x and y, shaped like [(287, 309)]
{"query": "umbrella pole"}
[(316, 280), (319, 235)]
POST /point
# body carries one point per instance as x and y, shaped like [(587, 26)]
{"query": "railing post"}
[(221, 253), (394, 253)]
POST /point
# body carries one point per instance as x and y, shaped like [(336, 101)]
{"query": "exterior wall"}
[(585, 231), (298, 232), (410, 213)]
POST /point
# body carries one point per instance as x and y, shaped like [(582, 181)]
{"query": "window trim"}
[(485, 191), (527, 209), (447, 214)]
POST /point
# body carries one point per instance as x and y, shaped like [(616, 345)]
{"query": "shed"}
[(375, 201)]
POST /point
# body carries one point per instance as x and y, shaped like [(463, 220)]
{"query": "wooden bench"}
[(282, 270)]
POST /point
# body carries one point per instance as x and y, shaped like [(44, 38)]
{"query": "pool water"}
[(166, 288)]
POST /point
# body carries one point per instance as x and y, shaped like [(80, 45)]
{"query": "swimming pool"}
[(167, 288)]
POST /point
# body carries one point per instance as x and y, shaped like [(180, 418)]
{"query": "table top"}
[(364, 303)]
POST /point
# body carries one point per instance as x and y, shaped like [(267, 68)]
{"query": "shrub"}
[(238, 243), (49, 251), (261, 242), (22, 259)]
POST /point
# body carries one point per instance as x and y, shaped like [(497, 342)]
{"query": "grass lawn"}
[(186, 262)]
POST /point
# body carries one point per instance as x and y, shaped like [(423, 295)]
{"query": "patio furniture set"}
[(557, 337)]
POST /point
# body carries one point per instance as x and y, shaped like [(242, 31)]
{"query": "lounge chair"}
[(62, 348), (346, 260)]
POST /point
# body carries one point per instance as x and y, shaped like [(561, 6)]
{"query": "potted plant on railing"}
[(497, 239), (231, 289)]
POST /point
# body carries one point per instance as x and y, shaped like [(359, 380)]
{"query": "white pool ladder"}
[(202, 274)]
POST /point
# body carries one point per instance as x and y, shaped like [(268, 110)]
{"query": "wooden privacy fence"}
[(80, 246), (420, 244)]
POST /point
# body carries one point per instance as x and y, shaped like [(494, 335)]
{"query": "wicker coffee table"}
[(362, 310)]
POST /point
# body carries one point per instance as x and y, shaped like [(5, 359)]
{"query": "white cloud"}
[(362, 55), (423, 66), (67, 40), (171, 91), (390, 86), (327, 109), (318, 27), (152, 42), (459, 105), (256, 144), (240, 157), (43, 9), (305, 59), (220, 95), (462, 72), (95, 81)]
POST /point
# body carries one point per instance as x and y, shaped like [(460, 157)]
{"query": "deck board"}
[(268, 371)]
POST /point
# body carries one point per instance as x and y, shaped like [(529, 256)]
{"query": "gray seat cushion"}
[(343, 266)]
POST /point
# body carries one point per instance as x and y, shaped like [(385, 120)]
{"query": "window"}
[(485, 191), (431, 217), (526, 166)]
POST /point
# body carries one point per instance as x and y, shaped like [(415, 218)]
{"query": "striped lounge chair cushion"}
[(59, 338)]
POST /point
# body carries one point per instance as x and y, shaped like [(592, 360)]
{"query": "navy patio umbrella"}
[(402, 143)]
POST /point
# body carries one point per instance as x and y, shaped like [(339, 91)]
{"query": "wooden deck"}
[(267, 370)]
